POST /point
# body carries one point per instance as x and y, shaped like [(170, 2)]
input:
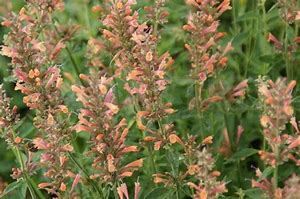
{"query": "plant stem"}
[(74, 63), (115, 190), (286, 53), (177, 190), (70, 56), (151, 158), (20, 159), (264, 20), (155, 24), (39, 193), (30, 183), (198, 91), (235, 27), (275, 174), (91, 182)]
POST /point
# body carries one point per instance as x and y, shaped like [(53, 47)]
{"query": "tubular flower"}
[(38, 78), (202, 26), (201, 166), (276, 99), (8, 117), (120, 24), (147, 81), (108, 138)]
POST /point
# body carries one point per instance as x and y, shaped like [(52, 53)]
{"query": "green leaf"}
[(10, 79), (242, 154), (255, 193), (240, 39), (266, 173), (159, 192), (252, 15), (12, 186)]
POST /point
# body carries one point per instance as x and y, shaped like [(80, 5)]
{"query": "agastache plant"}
[(8, 117), (121, 23), (130, 99), (108, 136), (145, 78), (276, 98), (9, 120), (38, 78), (206, 55)]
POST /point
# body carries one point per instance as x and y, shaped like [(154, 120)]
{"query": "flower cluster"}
[(289, 10), (277, 112), (276, 100), (8, 118), (38, 78), (121, 24), (148, 83), (107, 138), (199, 167), (206, 55), (200, 164), (157, 14), (208, 186), (145, 79)]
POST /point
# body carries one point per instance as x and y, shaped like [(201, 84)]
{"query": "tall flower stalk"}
[(276, 99), (8, 121), (207, 57), (108, 136), (33, 58)]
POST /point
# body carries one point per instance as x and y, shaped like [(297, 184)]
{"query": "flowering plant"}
[(149, 99)]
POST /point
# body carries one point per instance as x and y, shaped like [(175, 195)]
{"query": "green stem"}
[(286, 53), (70, 56), (39, 193), (275, 174), (264, 20), (87, 18), (115, 190), (74, 63), (177, 190), (91, 182), (198, 91), (30, 183), (238, 165), (151, 158), (155, 24), (174, 168), (235, 27), (20, 159)]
